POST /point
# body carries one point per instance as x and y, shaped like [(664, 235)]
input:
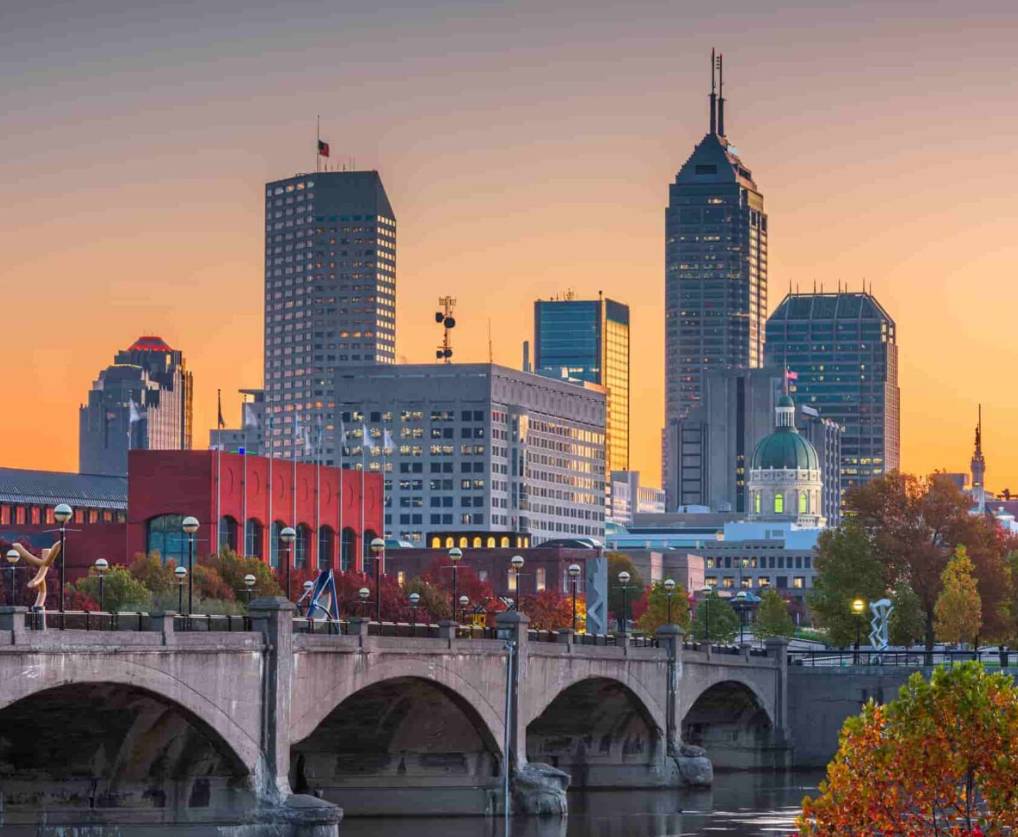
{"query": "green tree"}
[(772, 616), (656, 613), (232, 568), (847, 567), (958, 610), (617, 563), (905, 627), (716, 615), (121, 590), (434, 603)]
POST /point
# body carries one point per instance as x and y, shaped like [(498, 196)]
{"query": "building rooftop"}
[(149, 343), (830, 305), (47, 488)]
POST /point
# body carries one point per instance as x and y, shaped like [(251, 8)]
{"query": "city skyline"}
[(152, 221)]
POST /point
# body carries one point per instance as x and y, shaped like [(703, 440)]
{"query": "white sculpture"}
[(881, 610)]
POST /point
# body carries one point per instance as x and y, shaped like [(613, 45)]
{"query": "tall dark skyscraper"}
[(588, 340), (330, 297), (141, 402), (843, 348), (715, 270)]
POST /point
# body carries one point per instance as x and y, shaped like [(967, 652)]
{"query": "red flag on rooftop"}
[(323, 148)]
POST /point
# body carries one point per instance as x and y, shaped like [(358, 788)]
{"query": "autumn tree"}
[(940, 759), (617, 563), (715, 619), (772, 616), (913, 527), (548, 610), (906, 623), (232, 568), (958, 611), (847, 567), (121, 590), (656, 612)]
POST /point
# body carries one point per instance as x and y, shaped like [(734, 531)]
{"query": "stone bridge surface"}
[(216, 732)]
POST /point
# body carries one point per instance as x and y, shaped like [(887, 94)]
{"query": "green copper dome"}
[(785, 449)]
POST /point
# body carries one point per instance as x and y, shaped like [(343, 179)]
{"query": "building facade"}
[(843, 349), (711, 446), (330, 295), (629, 498), (142, 402), (715, 275), (250, 436), (475, 446), (588, 341)]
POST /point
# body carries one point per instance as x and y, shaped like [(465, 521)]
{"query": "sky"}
[(527, 150)]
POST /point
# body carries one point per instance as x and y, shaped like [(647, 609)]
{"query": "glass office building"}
[(588, 341), (715, 274), (843, 348)]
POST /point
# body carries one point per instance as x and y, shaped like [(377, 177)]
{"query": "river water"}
[(739, 805)]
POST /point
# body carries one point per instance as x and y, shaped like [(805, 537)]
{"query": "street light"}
[(308, 587), (517, 563), (249, 583), (858, 608), (455, 556), (414, 599), (377, 548), (62, 514), (12, 559), (707, 591), (464, 601), (574, 576), (102, 566), (288, 536), (739, 602), (364, 592), (181, 574), (190, 526), (624, 581), (669, 585)]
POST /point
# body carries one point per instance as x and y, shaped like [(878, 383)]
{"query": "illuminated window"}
[(779, 503), (803, 502), (756, 502)]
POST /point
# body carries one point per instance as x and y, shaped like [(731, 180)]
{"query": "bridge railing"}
[(92, 620), (725, 648), (910, 658)]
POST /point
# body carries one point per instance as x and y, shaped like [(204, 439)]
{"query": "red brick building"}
[(116, 518)]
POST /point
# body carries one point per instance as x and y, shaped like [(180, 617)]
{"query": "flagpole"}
[(219, 470), (318, 138), (318, 491)]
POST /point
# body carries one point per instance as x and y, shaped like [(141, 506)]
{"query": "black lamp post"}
[(414, 599), (308, 587), (707, 591), (190, 526), (181, 574), (669, 585), (249, 583), (516, 562), (624, 581), (363, 593), (102, 566), (464, 601), (62, 514), (12, 560), (377, 549), (288, 536), (574, 576), (858, 608), (740, 604), (455, 556)]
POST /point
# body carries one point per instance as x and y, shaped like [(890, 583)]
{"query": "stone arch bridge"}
[(269, 728)]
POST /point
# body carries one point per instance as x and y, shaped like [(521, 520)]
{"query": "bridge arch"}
[(731, 720), (404, 743), (140, 756), (85, 670), (602, 732)]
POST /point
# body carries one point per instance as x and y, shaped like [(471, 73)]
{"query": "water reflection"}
[(739, 805)]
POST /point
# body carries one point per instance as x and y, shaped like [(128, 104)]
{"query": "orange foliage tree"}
[(939, 760)]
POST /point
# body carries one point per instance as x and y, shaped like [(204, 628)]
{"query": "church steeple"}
[(978, 464)]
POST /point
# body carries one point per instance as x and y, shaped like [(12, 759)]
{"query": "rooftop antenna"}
[(491, 351), (713, 93), (721, 95), (447, 321)]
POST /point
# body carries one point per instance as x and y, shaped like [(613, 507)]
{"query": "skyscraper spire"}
[(721, 96), (713, 95), (978, 464)]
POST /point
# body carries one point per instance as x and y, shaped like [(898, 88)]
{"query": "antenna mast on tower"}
[(447, 321)]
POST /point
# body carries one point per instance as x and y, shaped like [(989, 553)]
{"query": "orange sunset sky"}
[(527, 149)]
